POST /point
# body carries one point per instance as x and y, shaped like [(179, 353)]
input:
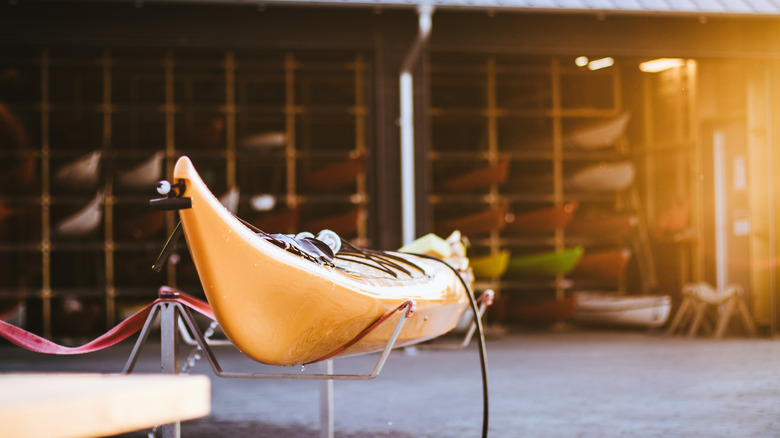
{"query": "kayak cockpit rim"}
[(381, 260)]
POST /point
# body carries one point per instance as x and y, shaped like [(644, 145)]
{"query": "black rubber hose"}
[(480, 341)]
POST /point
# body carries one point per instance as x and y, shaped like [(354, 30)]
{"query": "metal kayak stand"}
[(484, 300), (177, 323)]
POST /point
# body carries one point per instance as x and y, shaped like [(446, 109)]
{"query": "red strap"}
[(120, 332), (411, 308), (135, 322)]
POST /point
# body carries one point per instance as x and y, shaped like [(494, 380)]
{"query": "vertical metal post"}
[(492, 129), (408, 215), (771, 203), (169, 353), (230, 118), (696, 192), (326, 402), (360, 138), (170, 145), (555, 68), (108, 195), (45, 197), (720, 210), (290, 112)]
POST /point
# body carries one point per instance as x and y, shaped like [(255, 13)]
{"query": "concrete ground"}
[(566, 383)]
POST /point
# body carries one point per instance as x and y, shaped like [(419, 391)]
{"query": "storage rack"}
[(488, 106), (128, 104)]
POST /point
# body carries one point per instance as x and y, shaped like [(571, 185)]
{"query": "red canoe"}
[(544, 221), (485, 221), (602, 265), (599, 226), (344, 224), (283, 221), (481, 178), (337, 175)]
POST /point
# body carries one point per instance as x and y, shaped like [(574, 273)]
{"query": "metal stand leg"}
[(326, 402), (486, 299), (169, 346), (171, 313)]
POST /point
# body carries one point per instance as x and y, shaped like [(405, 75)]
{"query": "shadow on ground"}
[(209, 428)]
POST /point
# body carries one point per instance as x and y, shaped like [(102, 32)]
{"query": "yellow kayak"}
[(283, 306), (490, 266)]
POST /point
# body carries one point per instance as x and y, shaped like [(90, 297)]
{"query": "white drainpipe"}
[(408, 215), (721, 254)]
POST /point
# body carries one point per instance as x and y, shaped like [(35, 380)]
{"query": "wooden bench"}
[(79, 405)]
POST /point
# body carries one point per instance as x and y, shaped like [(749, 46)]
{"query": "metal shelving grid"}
[(127, 104)]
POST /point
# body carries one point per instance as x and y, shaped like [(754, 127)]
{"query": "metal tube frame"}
[(171, 312), (486, 299), (177, 323)]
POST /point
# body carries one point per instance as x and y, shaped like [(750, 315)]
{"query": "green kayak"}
[(545, 264)]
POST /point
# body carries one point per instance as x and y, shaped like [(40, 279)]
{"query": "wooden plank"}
[(81, 405)]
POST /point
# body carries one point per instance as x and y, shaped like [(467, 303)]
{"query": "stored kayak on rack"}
[(490, 266), (335, 176), (144, 175), (84, 221), (545, 264), (599, 135), (607, 264), (82, 173), (493, 218), (541, 221), (484, 177), (603, 177), (605, 308)]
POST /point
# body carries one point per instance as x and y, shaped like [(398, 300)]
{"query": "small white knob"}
[(163, 187)]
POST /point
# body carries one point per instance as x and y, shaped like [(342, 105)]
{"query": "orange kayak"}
[(484, 177), (281, 308), (543, 221), (336, 176), (481, 222)]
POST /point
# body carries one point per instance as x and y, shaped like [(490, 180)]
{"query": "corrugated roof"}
[(663, 7)]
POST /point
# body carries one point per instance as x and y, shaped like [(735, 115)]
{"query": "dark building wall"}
[(590, 34), (386, 35)]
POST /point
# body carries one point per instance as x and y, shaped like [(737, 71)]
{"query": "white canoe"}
[(603, 177), (81, 173), (263, 140), (604, 308), (83, 221), (600, 135), (145, 175), (230, 199)]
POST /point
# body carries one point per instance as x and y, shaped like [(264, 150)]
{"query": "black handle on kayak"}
[(162, 204), (168, 248)]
